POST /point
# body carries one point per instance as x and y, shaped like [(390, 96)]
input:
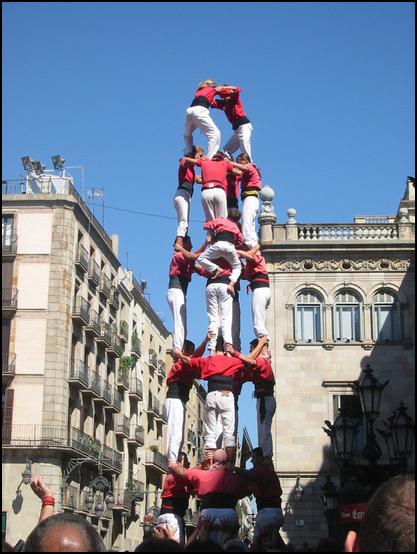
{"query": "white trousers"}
[(214, 203), (219, 432), (250, 209), (182, 201), (198, 117), (264, 428), (174, 416), (177, 303), (219, 311), (221, 249), (219, 405), (241, 137), (268, 519), (176, 524), (261, 298), (223, 519)]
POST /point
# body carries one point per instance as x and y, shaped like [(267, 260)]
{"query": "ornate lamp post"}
[(341, 434), (399, 436), (370, 390)]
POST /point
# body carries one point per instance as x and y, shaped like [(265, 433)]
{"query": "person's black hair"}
[(219, 344), (189, 346), (159, 545), (253, 343), (258, 451), (37, 541), (233, 214)]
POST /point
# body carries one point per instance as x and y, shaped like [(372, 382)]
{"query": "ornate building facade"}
[(342, 298)]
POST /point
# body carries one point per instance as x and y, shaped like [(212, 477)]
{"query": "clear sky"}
[(329, 88)]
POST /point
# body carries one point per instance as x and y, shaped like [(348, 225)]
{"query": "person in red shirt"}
[(255, 271), (219, 490), (182, 198), (267, 490), (250, 187), (180, 271), (264, 381), (174, 502), (232, 106), (232, 191), (198, 116), (180, 381), (214, 184)]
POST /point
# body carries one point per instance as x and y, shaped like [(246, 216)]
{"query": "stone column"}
[(328, 324), (367, 323), (267, 217)]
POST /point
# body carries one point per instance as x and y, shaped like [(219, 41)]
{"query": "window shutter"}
[(8, 415)]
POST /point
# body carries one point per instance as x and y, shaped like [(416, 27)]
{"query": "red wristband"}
[(48, 501)]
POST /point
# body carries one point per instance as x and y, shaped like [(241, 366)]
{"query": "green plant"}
[(94, 446), (154, 448), (125, 363)]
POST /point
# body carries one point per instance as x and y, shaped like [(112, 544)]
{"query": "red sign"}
[(351, 513)]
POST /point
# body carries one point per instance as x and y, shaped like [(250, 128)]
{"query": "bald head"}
[(64, 533)]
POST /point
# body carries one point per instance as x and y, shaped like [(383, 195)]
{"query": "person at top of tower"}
[(197, 116), (232, 106)]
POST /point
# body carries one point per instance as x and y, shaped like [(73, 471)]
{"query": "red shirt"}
[(232, 107), (243, 376), (258, 265), (208, 92), (186, 173), (250, 178), (174, 486), (220, 481), (216, 365), (182, 373), (180, 267), (222, 224), (214, 173), (264, 481), (263, 370)]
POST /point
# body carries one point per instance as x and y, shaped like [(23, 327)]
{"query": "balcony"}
[(124, 331), (106, 394), (116, 347), (112, 458), (136, 346), (79, 374), (136, 435), (105, 336), (136, 389), (121, 426), (93, 328), (114, 300), (153, 360), (157, 461), (70, 500), (124, 498), (35, 436), (94, 272), (9, 246), (94, 385), (117, 400), (105, 285), (81, 310), (8, 364), (122, 379), (9, 301), (161, 369), (81, 259)]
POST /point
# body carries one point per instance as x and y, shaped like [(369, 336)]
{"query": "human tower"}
[(231, 253)]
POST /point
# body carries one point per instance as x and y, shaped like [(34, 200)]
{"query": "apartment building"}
[(343, 298), (84, 364)]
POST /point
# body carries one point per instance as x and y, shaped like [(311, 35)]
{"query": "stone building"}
[(83, 365), (342, 298)]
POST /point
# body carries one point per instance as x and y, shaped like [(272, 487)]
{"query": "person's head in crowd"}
[(219, 345), (159, 545), (219, 459), (265, 349), (183, 460), (257, 456), (389, 521), (64, 532), (188, 348), (204, 546)]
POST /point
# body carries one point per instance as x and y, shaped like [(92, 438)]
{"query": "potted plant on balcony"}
[(94, 446), (154, 448)]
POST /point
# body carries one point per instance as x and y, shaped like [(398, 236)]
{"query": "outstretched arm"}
[(242, 167), (192, 256), (199, 351), (45, 494), (258, 348)]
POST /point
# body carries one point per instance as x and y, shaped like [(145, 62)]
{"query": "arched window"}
[(308, 317), (386, 320), (347, 316)]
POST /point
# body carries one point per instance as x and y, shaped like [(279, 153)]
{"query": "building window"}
[(386, 319), (349, 405), (347, 317), (7, 230), (308, 317)]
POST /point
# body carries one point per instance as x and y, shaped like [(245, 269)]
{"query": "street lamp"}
[(299, 490), (27, 473), (399, 436), (341, 434)]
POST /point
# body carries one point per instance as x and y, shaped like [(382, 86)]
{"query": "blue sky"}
[(329, 88)]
